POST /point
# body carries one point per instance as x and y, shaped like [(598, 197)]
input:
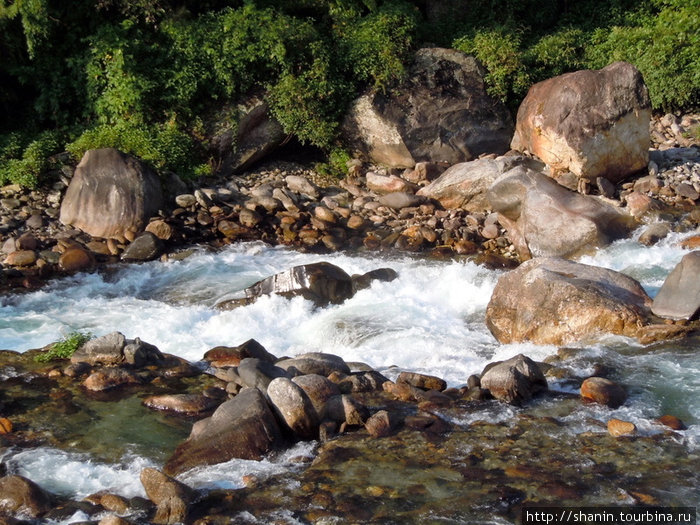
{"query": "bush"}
[(64, 348), (24, 164)]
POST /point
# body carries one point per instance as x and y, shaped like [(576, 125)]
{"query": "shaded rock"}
[(190, 404), (555, 301), (243, 427), (18, 495), (294, 407), (105, 350), (618, 428), (639, 204), (161, 229), (672, 422), (185, 200), (380, 424), (256, 373), (400, 199), (360, 282), (140, 354), (110, 194), (603, 391), (111, 502), (514, 381), (422, 381), (345, 409), (590, 123), (302, 185), (654, 233), (545, 219), (441, 112), (314, 363), (145, 247), (679, 296), (170, 496), (322, 283), (464, 185), (319, 389), (231, 356)]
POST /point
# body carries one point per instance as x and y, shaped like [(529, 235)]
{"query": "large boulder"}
[(555, 301), (465, 185), (591, 123), (545, 219), (441, 112), (323, 283), (243, 427), (679, 296), (514, 381), (110, 194)]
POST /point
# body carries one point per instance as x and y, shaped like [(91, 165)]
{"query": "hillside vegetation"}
[(144, 75)]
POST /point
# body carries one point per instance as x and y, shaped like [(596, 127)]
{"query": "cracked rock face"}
[(590, 123)]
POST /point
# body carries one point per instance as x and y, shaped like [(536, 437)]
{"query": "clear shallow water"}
[(431, 320)]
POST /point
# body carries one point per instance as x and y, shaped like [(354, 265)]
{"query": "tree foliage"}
[(143, 75)]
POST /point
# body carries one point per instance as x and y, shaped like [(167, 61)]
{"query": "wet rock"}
[(105, 350), (545, 219), (639, 204), (441, 112), (345, 409), (319, 389), (243, 427), (555, 301), (140, 354), (110, 502), (360, 282), (76, 259), (110, 194), (314, 363), (161, 229), (294, 407), (322, 283), (189, 404), (380, 424), (232, 356), (256, 373), (672, 422), (170, 496), (20, 495), (514, 381), (422, 381), (562, 120), (6, 425), (110, 378), (654, 233), (619, 428), (603, 391), (145, 247), (679, 296)]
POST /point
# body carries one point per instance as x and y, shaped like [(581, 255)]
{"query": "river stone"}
[(145, 247), (105, 350), (654, 233), (256, 373), (160, 229), (545, 219), (554, 301), (170, 496), (422, 381), (21, 258), (679, 296), (319, 389), (189, 404), (243, 427), (322, 283), (464, 185), (110, 194), (619, 428), (302, 185), (345, 409), (386, 183), (360, 282), (19, 495), (293, 407), (140, 354), (380, 424), (314, 363), (439, 113), (400, 199), (185, 200), (590, 123), (76, 259), (514, 381), (109, 378), (231, 356), (603, 391)]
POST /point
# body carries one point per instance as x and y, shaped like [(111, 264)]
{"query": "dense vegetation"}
[(147, 75)]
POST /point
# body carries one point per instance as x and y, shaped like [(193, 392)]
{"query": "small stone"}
[(5, 425), (145, 247), (323, 213), (249, 218), (27, 241), (618, 428), (603, 391), (160, 229), (422, 381), (605, 187), (672, 422), (186, 200), (687, 191), (379, 425), (21, 258), (35, 221)]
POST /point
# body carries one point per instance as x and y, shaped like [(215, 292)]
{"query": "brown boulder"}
[(441, 112), (18, 495), (422, 381), (315, 363), (318, 388), (110, 194), (190, 404), (76, 260), (243, 427), (170, 496), (603, 391), (555, 301), (591, 123), (109, 378), (514, 381), (232, 355)]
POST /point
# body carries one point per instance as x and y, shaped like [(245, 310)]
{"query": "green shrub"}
[(558, 53), (336, 165), (64, 348), (24, 164)]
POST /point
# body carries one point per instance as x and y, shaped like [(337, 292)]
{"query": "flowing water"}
[(430, 320)]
